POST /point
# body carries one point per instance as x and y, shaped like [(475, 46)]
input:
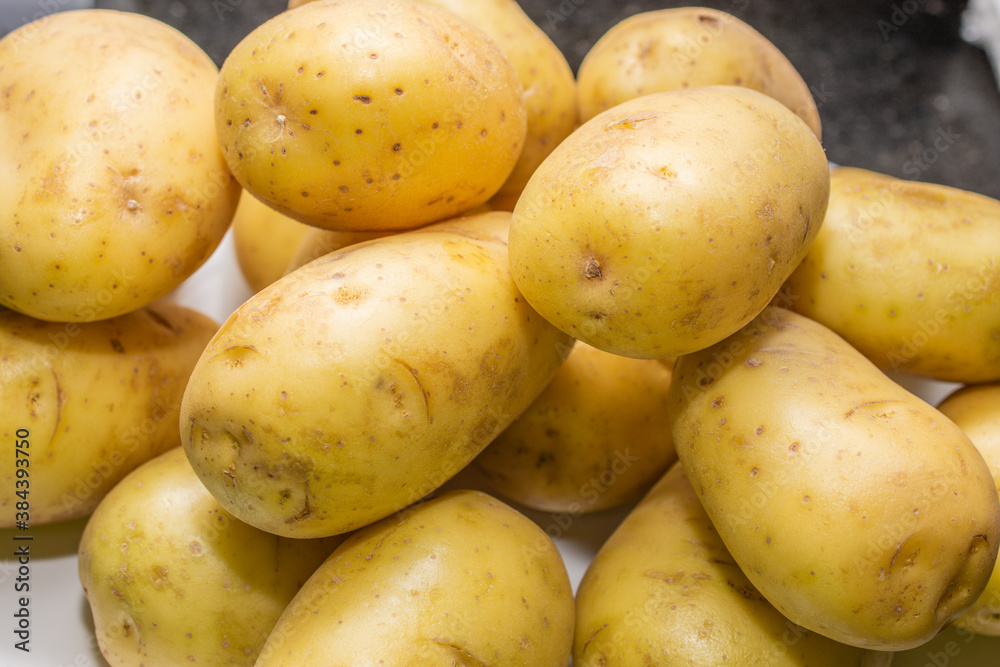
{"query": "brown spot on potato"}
[(117, 346), (364, 99), (592, 270), (631, 122)]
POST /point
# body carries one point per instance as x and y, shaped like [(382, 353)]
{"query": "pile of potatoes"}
[(643, 284)]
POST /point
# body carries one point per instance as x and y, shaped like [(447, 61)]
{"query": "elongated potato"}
[(171, 577), (597, 437), (92, 401), (664, 590), (359, 383), (687, 47), (113, 189), (976, 410), (858, 510), (265, 241), (370, 115), (461, 579), (909, 274), (318, 242), (665, 224)]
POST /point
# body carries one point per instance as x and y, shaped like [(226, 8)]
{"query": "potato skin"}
[(461, 579), (549, 83), (369, 115), (909, 274), (98, 399), (172, 577), (265, 241), (687, 47), (859, 511), (664, 590), (114, 189), (595, 438), (359, 383), (665, 224), (976, 410), (318, 242)]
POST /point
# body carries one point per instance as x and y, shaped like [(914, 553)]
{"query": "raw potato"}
[(113, 189), (667, 223), (370, 115), (96, 400), (597, 437), (909, 274), (859, 511), (265, 241), (318, 242), (663, 590), (976, 410), (361, 382), (687, 47), (172, 578), (549, 84), (461, 579)]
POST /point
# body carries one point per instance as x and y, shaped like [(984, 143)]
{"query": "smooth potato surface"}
[(909, 274), (96, 400), (361, 382), (172, 578), (665, 224), (687, 47), (113, 189), (370, 115), (663, 590), (265, 241), (858, 510)]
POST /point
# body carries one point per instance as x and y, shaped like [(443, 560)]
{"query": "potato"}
[(665, 224), (91, 401), (549, 84), (859, 511), (976, 410), (909, 274), (114, 189), (361, 382), (318, 242), (265, 241), (597, 437), (663, 590), (687, 47), (370, 114), (461, 579), (172, 578)]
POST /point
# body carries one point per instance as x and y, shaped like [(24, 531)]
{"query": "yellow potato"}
[(113, 189), (370, 114), (663, 590), (665, 224), (976, 410), (597, 437), (461, 579), (909, 274), (265, 241), (858, 510), (173, 578), (361, 382), (687, 47), (549, 84), (318, 242), (91, 402)]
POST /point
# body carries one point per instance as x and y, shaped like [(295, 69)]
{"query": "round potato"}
[(265, 241), (687, 47), (370, 114), (90, 402), (173, 578), (663, 225), (364, 380), (113, 189), (909, 274), (459, 580), (976, 410), (597, 437)]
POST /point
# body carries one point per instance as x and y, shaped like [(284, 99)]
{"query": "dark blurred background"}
[(898, 89)]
